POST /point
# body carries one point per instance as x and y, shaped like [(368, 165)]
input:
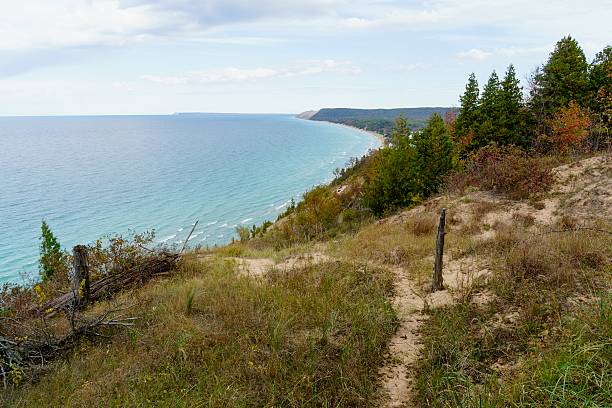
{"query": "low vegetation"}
[(304, 311), (540, 338), (211, 337)]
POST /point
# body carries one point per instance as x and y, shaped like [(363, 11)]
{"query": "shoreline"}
[(376, 135)]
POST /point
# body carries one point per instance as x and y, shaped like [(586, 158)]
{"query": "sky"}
[(88, 57)]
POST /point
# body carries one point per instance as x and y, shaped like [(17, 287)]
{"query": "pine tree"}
[(468, 112), (401, 131), (51, 257), (562, 79), (488, 113), (600, 98), (434, 153), (512, 127)]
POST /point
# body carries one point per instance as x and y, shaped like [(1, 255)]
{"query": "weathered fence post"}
[(436, 282), (81, 274)]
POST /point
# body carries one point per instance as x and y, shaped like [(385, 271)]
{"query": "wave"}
[(212, 223), (168, 238), (246, 220), (283, 205)]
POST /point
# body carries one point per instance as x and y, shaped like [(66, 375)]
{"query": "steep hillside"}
[(523, 320)]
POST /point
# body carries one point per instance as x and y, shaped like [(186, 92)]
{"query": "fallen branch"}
[(25, 346), (160, 263)]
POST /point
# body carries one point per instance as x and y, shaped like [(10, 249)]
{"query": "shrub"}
[(569, 128), (244, 234), (508, 170)]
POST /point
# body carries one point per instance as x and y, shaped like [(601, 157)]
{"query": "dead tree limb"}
[(189, 236)]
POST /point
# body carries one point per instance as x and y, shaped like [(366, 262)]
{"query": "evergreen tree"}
[(392, 183), (600, 98), (562, 79), (401, 131), (468, 113), (51, 257), (434, 154), (512, 127), (489, 111)]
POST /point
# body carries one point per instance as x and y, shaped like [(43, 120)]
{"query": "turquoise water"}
[(91, 176)]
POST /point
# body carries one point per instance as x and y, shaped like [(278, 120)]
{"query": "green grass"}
[(309, 337)]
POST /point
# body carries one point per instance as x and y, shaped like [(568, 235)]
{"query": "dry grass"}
[(210, 337), (423, 224), (385, 244), (518, 349)]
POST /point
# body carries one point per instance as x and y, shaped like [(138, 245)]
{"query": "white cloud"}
[(123, 86), (232, 74), (474, 54), (326, 66), (415, 66), (508, 52), (44, 24)]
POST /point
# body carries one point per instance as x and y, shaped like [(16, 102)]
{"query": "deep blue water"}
[(92, 176)]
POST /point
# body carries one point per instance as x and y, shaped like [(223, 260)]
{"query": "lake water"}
[(92, 176)]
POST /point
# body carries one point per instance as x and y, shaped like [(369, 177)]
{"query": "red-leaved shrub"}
[(507, 170)]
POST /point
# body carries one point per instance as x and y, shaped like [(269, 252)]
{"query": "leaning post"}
[(436, 282), (81, 274)]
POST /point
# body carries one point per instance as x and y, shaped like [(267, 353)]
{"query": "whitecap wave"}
[(283, 205)]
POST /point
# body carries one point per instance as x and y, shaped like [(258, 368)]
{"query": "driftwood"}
[(158, 264)]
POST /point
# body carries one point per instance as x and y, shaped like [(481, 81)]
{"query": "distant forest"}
[(379, 120)]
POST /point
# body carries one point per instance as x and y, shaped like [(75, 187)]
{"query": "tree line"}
[(567, 107), (568, 102)]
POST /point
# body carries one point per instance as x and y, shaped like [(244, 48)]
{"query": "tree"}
[(468, 113), (600, 87), (511, 114), (401, 131), (562, 79), (393, 182), (51, 261), (434, 154), (488, 114), (411, 169)]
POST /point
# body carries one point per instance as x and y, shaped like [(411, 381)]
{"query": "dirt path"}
[(259, 266), (404, 347), (410, 302)]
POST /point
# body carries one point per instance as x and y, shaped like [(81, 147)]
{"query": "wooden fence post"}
[(436, 282), (81, 274)]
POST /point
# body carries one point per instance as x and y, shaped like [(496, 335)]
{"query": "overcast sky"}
[(75, 57)]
